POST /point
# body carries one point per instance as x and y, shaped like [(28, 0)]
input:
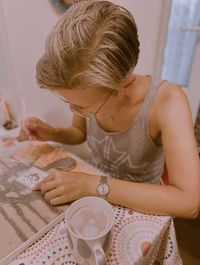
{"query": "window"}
[(181, 43)]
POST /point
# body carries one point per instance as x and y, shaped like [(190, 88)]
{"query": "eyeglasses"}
[(82, 112)]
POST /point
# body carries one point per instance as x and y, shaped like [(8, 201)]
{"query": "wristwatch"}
[(103, 188)]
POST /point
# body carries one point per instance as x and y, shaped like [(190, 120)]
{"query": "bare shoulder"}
[(169, 93), (171, 102)]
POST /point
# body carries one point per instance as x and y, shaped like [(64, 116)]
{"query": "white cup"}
[(90, 222)]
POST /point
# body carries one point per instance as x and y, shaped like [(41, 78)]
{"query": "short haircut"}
[(94, 44)]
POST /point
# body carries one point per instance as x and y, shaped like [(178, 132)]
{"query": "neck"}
[(122, 98)]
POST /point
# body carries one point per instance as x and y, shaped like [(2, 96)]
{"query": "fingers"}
[(27, 132), (47, 180), (39, 129), (32, 124), (22, 136), (32, 137), (60, 187), (48, 188), (58, 200), (35, 128), (52, 194)]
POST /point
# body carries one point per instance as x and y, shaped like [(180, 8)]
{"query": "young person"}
[(132, 123)]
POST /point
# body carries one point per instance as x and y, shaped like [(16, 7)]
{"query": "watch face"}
[(103, 189)]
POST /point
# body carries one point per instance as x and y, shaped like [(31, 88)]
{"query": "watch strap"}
[(103, 179)]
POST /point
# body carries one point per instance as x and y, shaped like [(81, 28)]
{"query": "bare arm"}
[(181, 197), (35, 129), (76, 134)]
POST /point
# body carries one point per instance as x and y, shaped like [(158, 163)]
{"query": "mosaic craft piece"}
[(29, 178)]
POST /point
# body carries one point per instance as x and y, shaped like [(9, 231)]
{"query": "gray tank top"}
[(130, 154)]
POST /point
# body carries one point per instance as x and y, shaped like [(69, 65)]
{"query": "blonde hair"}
[(94, 44)]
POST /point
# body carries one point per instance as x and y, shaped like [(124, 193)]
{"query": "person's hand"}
[(64, 186), (35, 129)]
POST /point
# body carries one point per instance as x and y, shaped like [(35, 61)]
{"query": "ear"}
[(128, 81)]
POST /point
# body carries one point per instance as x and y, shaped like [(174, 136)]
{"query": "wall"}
[(6, 68), (3, 62), (28, 23)]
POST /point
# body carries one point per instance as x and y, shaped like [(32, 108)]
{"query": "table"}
[(137, 239)]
